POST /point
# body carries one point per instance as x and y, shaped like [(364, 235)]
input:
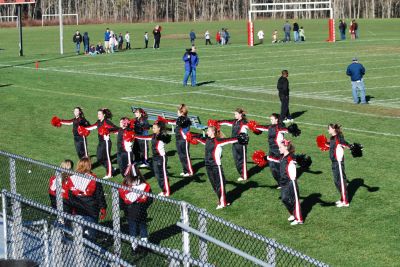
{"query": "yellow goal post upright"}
[(265, 6)]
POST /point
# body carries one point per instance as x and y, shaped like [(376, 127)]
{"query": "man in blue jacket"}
[(192, 36), (356, 71), (188, 68), (194, 61)]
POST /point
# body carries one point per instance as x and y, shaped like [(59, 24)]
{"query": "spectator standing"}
[(260, 35), (355, 29), (188, 68), (86, 42), (352, 30), (357, 71), (157, 37), (218, 37), (302, 34), (146, 40), (192, 36), (227, 36), (223, 40), (283, 89), (112, 42), (128, 41), (287, 28), (342, 29), (120, 41), (296, 32), (194, 61), (107, 36), (207, 37), (77, 39)]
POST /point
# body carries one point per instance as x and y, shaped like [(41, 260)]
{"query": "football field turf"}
[(365, 234)]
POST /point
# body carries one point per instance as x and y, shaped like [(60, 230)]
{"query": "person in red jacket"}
[(65, 185), (290, 190), (134, 204), (87, 196), (104, 127)]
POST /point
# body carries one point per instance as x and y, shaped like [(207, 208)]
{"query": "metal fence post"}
[(116, 221), (13, 180), (17, 231), (78, 244), (46, 245), (185, 234), (59, 198), (203, 243), (271, 253), (5, 225), (56, 245)]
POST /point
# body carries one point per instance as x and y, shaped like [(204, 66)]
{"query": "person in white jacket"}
[(260, 35)]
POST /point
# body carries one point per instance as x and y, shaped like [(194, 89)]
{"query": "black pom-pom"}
[(294, 130), (303, 161), (243, 138), (166, 138), (183, 121), (356, 150)]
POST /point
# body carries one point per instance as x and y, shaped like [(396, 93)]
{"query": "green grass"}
[(366, 234)]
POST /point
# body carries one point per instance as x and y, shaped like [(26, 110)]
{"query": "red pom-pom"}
[(259, 158), (213, 123), (56, 121), (82, 131), (252, 126), (161, 119), (190, 139), (322, 142), (132, 123), (129, 136), (103, 130)]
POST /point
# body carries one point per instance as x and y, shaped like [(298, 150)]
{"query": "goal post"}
[(257, 6)]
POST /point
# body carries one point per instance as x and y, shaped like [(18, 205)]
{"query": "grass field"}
[(366, 234)]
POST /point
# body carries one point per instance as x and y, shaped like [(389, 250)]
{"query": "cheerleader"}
[(141, 126), (159, 139), (182, 145), (125, 156), (336, 145), (213, 152), (87, 196), (239, 151), (65, 185), (289, 190), (80, 141), (275, 136), (135, 205), (104, 126)]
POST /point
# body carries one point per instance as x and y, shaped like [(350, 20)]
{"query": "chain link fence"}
[(180, 234)]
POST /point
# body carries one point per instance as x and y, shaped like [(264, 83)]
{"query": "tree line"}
[(197, 10)]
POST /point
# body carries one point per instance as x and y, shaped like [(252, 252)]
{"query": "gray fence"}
[(178, 232)]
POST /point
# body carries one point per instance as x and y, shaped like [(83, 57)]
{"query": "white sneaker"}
[(187, 175), (279, 188), (338, 202), (143, 165), (291, 218), (107, 177), (240, 179), (161, 194), (342, 204), (296, 222), (182, 174), (220, 207)]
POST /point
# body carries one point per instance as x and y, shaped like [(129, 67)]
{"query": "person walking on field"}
[(260, 35), (283, 89), (357, 71)]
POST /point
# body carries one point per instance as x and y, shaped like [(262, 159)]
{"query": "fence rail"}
[(178, 231)]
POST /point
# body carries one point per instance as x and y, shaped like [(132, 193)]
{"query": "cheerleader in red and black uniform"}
[(289, 190), (65, 185), (275, 136), (125, 156), (134, 204), (159, 139), (87, 196), (80, 141), (213, 152), (336, 154), (182, 145), (104, 127), (239, 152), (141, 126)]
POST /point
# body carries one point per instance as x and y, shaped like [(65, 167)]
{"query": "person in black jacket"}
[(87, 196), (125, 156), (157, 37), (141, 126), (283, 89), (104, 127), (80, 141), (77, 39)]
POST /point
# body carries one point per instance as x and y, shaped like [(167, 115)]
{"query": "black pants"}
[(208, 42), (338, 182), (275, 171), (182, 146), (128, 45), (160, 172), (146, 43), (156, 43), (103, 157), (123, 161), (217, 179), (80, 146), (239, 155), (141, 150), (288, 198), (284, 107)]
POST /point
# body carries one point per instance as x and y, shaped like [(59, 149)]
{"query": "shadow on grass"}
[(298, 114), (355, 184), (204, 83), (310, 201), (254, 170), (240, 188), (184, 181), (5, 85), (301, 170), (39, 61)]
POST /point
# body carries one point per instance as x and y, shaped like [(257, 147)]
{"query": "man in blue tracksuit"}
[(192, 36), (188, 69), (194, 61), (356, 71)]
